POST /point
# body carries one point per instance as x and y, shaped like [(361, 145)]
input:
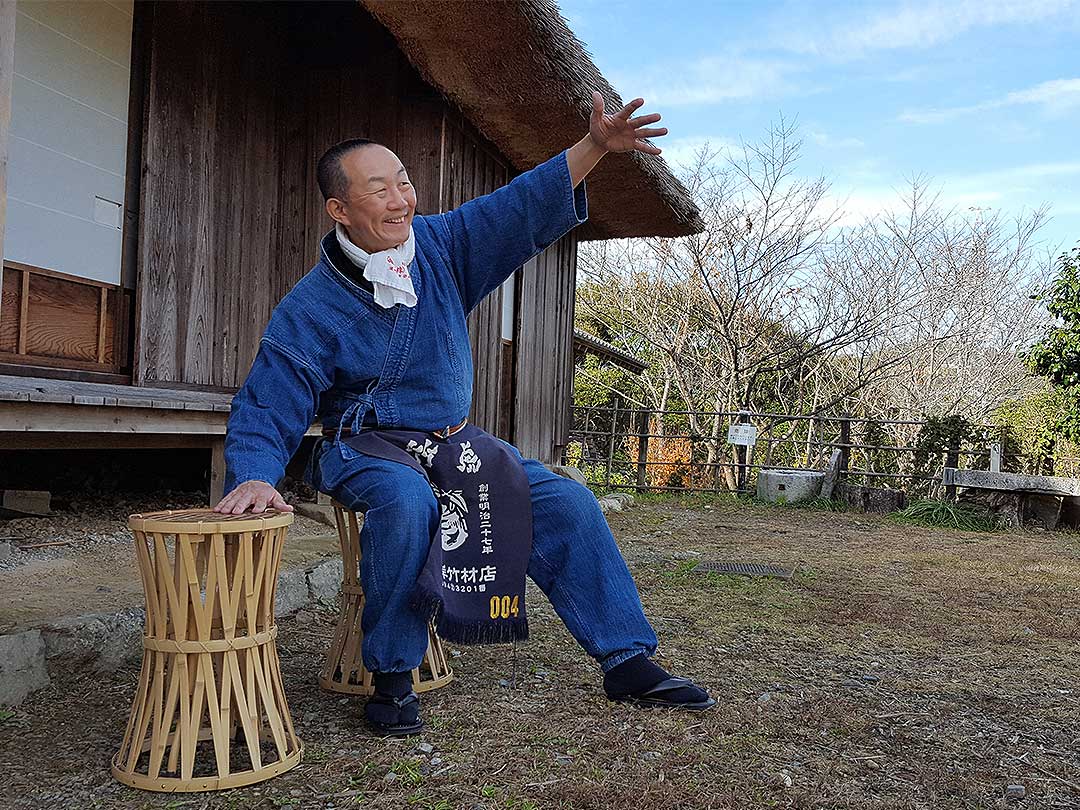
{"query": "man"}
[(373, 340)]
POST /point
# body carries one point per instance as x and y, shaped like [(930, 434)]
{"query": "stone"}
[(304, 617), (832, 475), (323, 513), (650, 756), (1015, 792), (97, 642), (425, 748), (505, 684), (1043, 510), (788, 486), (22, 666), (324, 579), (5, 549), (27, 501), (292, 592), (764, 697), (573, 473), (871, 678), (871, 499), (390, 777), (435, 761)]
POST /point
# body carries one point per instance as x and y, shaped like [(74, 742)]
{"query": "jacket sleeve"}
[(270, 414), (490, 237)]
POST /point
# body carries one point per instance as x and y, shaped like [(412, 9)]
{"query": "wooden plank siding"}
[(240, 102), (545, 331)]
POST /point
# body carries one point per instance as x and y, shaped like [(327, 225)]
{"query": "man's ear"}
[(336, 209)]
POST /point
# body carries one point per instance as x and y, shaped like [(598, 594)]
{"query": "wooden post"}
[(7, 72), (952, 459), (995, 457), (642, 450), (611, 440), (217, 471), (742, 452), (845, 446)]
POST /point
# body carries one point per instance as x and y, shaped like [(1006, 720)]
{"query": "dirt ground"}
[(901, 667), (85, 554)]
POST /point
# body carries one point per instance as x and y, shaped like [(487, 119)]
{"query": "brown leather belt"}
[(445, 433)]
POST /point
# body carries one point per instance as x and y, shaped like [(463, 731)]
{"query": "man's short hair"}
[(333, 182)]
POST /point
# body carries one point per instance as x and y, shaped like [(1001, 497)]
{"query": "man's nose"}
[(397, 199)]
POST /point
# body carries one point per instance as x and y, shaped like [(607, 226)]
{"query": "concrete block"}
[(292, 592), (789, 486), (322, 513), (27, 501), (22, 666), (871, 499), (98, 642), (324, 580)]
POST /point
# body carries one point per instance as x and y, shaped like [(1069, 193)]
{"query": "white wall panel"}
[(68, 135)]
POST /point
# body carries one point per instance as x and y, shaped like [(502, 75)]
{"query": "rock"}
[(323, 513), (832, 473), (871, 499), (455, 653), (27, 501), (1015, 792), (5, 550), (22, 666), (98, 642), (871, 678), (436, 761), (764, 697), (390, 777), (563, 759), (324, 579), (785, 779), (304, 617), (505, 684), (425, 748), (572, 473), (292, 592), (650, 756)]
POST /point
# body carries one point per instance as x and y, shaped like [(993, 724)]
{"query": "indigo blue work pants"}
[(574, 559)]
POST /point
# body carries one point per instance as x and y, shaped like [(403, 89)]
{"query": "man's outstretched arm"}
[(489, 237)]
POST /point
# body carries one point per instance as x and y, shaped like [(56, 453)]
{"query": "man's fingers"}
[(278, 502), (647, 148), (597, 104), (642, 120), (260, 503), (646, 132), (628, 110)]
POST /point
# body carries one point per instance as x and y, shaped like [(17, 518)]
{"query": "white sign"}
[(742, 434)]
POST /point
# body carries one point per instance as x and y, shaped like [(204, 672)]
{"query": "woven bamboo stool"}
[(344, 670), (210, 675)]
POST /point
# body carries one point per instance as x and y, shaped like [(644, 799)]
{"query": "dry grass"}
[(902, 667)]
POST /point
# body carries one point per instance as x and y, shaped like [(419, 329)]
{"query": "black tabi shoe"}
[(391, 716)]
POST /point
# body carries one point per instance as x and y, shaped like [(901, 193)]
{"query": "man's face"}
[(381, 201)]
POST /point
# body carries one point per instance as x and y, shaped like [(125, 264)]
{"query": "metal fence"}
[(643, 450)]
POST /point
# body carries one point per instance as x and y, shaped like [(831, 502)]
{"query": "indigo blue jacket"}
[(331, 354)]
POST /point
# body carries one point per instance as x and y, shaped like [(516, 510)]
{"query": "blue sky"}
[(982, 97)]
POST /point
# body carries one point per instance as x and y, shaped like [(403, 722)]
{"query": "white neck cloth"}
[(387, 270)]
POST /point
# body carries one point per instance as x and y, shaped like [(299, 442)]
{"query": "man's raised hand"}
[(256, 495), (620, 132)]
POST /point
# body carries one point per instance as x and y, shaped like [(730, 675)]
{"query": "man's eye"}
[(381, 192), (405, 184)]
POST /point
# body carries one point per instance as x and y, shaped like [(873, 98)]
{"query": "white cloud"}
[(920, 25), (1057, 96), (680, 153), (827, 141), (708, 80)]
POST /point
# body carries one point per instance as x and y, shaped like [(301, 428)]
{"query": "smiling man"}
[(373, 341)]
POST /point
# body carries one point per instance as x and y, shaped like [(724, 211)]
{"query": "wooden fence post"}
[(952, 459), (611, 440), (845, 446), (642, 450), (742, 452)]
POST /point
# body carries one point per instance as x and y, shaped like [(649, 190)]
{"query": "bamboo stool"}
[(210, 671), (344, 669)]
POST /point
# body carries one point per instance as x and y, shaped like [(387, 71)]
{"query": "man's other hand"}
[(258, 496)]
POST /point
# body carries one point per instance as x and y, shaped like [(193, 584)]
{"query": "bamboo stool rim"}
[(345, 647), (207, 521)]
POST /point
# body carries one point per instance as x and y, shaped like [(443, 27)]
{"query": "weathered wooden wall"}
[(545, 364), (240, 102)]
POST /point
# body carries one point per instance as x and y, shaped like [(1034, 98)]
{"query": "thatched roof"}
[(523, 79), (584, 343)]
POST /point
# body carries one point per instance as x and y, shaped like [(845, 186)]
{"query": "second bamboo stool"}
[(344, 669), (210, 676)]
